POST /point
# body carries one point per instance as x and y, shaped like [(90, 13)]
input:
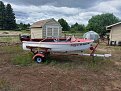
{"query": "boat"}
[(43, 47), (59, 45)]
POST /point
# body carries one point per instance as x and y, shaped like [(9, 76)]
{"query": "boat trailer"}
[(40, 54)]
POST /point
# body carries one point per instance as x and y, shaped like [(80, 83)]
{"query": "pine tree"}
[(10, 18), (64, 24), (2, 15)]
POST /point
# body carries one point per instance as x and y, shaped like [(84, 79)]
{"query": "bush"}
[(73, 31)]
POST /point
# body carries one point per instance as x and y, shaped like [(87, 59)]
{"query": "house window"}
[(55, 32), (49, 32), (52, 31)]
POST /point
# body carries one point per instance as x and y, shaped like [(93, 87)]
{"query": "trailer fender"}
[(41, 55)]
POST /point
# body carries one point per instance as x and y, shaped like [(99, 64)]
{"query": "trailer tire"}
[(39, 59)]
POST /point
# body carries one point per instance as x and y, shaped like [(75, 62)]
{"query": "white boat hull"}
[(58, 47)]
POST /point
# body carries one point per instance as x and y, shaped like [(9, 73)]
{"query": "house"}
[(46, 29), (115, 33)]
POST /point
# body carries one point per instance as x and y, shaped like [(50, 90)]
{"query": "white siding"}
[(115, 34), (36, 33)]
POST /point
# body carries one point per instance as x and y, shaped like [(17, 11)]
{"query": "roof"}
[(40, 23), (109, 27)]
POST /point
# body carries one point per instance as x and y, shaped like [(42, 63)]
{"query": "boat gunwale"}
[(57, 43)]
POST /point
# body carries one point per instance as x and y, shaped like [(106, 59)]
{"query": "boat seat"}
[(56, 40), (68, 38), (73, 39)]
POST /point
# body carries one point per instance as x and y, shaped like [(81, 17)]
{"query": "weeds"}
[(10, 39), (4, 85), (86, 62), (23, 60)]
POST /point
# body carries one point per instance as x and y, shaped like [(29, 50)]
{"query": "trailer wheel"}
[(39, 59)]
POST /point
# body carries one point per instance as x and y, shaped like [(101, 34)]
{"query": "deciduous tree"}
[(78, 27), (98, 23)]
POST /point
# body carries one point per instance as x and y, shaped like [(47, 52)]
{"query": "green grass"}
[(75, 62), (23, 59), (16, 55), (13, 50), (10, 39), (25, 31), (96, 63)]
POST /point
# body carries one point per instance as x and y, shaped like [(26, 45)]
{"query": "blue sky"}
[(29, 11)]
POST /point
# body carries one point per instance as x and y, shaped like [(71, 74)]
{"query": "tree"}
[(2, 15), (64, 24), (10, 18), (77, 27), (22, 26), (98, 23)]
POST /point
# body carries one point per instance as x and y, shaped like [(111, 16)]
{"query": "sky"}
[(80, 11)]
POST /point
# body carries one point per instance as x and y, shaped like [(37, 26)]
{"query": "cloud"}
[(30, 14), (57, 3), (108, 6), (32, 11), (45, 8)]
